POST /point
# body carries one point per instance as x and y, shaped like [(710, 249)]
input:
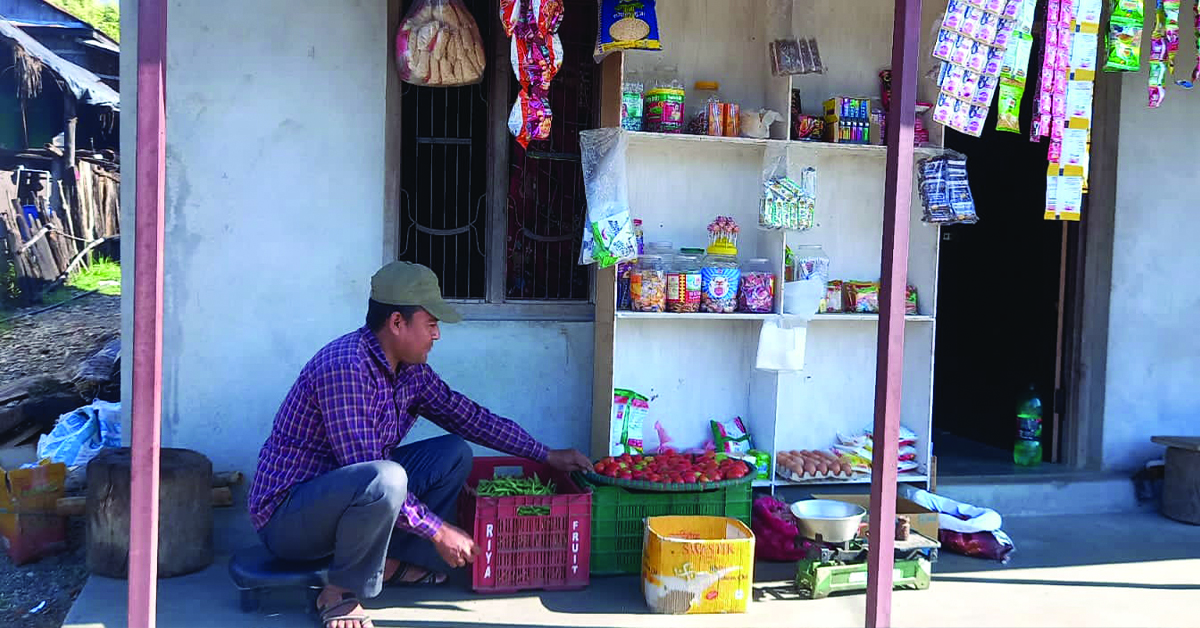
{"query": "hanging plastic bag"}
[(438, 45), (608, 235)]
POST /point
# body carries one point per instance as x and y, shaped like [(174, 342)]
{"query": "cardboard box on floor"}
[(29, 521), (921, 519)]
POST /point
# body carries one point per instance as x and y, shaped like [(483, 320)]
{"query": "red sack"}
[(975, 544), (775, 531)]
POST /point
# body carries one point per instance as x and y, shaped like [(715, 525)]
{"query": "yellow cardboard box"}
[(697, 565), (30, 527)]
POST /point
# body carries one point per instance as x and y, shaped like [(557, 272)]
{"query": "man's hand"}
[(455, 547), (568, 460)]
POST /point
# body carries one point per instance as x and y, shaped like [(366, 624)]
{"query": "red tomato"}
[(718, 476), (691, 479), (626, 475)]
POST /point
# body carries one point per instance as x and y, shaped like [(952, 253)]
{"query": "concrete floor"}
[(1107, 570)]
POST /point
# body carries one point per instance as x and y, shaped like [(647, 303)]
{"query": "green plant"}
[(105, 15)]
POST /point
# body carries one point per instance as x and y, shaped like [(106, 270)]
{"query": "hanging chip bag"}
[(626, 25)]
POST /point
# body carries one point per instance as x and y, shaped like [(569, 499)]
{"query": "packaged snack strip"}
[(1079, 101), (955, 11), (1089, 12), (530, 118), (628, 419), (1196, 71), (535, 61), (1083, 51), (944, 45), (1045, 96), (731, 437), (1124, 44), (626, 26), (1164, 42), (910, 301)]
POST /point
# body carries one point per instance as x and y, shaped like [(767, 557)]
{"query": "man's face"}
[(413, 340)]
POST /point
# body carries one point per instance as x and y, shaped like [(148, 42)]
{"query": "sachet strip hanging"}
[(1067, 174), (1164, 44)]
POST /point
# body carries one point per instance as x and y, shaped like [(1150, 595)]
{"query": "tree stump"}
[(1181, 485), (185, 519)]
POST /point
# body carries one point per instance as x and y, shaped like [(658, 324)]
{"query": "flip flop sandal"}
[(327, 615), (430, 579)]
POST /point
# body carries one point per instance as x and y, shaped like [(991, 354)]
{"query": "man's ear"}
[(396, 321)]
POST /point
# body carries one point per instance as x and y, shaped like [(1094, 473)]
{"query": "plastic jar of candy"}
[(662, 105), (684, 284), (648, 285), (719, 278), (756, 290)]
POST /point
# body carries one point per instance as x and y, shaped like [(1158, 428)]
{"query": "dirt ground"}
[(46, 343), (56, 581), (50, 343)]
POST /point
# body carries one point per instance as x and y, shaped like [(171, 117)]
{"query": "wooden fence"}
[(49, 227)]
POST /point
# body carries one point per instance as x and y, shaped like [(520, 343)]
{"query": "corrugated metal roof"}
[(86, 86)]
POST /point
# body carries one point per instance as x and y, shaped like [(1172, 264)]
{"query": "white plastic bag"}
[(438, 45), (781, 345), (608, 236), (80, 435)]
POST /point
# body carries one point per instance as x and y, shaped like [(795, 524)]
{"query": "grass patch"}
[(104, 276)]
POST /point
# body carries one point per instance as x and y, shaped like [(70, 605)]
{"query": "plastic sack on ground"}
[(438, 45), (81, 434), (966, 529), (775, 531), (608, 236)]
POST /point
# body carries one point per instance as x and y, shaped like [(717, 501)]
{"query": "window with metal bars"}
[(449, 218)]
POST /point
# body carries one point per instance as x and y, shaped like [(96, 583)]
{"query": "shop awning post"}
[(146, 396), (889, 372)]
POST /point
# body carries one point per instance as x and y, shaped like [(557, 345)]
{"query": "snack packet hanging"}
[(626, 25), (438, 45), (1124, 41)]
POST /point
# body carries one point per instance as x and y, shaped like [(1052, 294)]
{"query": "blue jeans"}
[(350, 513)]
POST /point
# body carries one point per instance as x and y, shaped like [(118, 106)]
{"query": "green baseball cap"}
[(405, 283)]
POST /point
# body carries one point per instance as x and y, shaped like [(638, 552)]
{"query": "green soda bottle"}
[(1027, 451)]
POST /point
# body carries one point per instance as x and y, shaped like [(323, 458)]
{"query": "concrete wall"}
[(274, 225), (1153, 347)]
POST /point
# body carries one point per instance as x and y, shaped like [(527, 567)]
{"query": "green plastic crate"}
[(618, 516)]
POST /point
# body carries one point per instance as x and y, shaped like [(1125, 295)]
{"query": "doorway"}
[(1001, 285)]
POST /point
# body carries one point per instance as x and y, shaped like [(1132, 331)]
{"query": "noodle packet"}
[(626, 25)]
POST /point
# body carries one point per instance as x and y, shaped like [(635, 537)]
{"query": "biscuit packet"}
[(626, 25)]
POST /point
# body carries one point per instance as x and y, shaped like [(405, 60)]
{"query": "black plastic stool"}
[(255, 570)]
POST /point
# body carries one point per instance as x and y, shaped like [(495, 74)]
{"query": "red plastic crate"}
[(527, 552)]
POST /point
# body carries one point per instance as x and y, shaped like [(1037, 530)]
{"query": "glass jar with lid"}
[(756, 289), (720, 276), (810, 262), (648, 284), (684, 283)]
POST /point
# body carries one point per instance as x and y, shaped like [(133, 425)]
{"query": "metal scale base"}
[(839, 568)]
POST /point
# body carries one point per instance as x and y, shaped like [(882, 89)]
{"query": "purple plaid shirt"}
[(346, 407)]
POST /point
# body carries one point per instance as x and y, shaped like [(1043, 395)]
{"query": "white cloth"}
[(979, 519)]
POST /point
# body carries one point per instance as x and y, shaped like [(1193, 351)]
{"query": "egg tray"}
[(792, 476)]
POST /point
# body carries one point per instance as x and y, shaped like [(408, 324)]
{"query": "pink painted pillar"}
[(889, 372), (147, 310)]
